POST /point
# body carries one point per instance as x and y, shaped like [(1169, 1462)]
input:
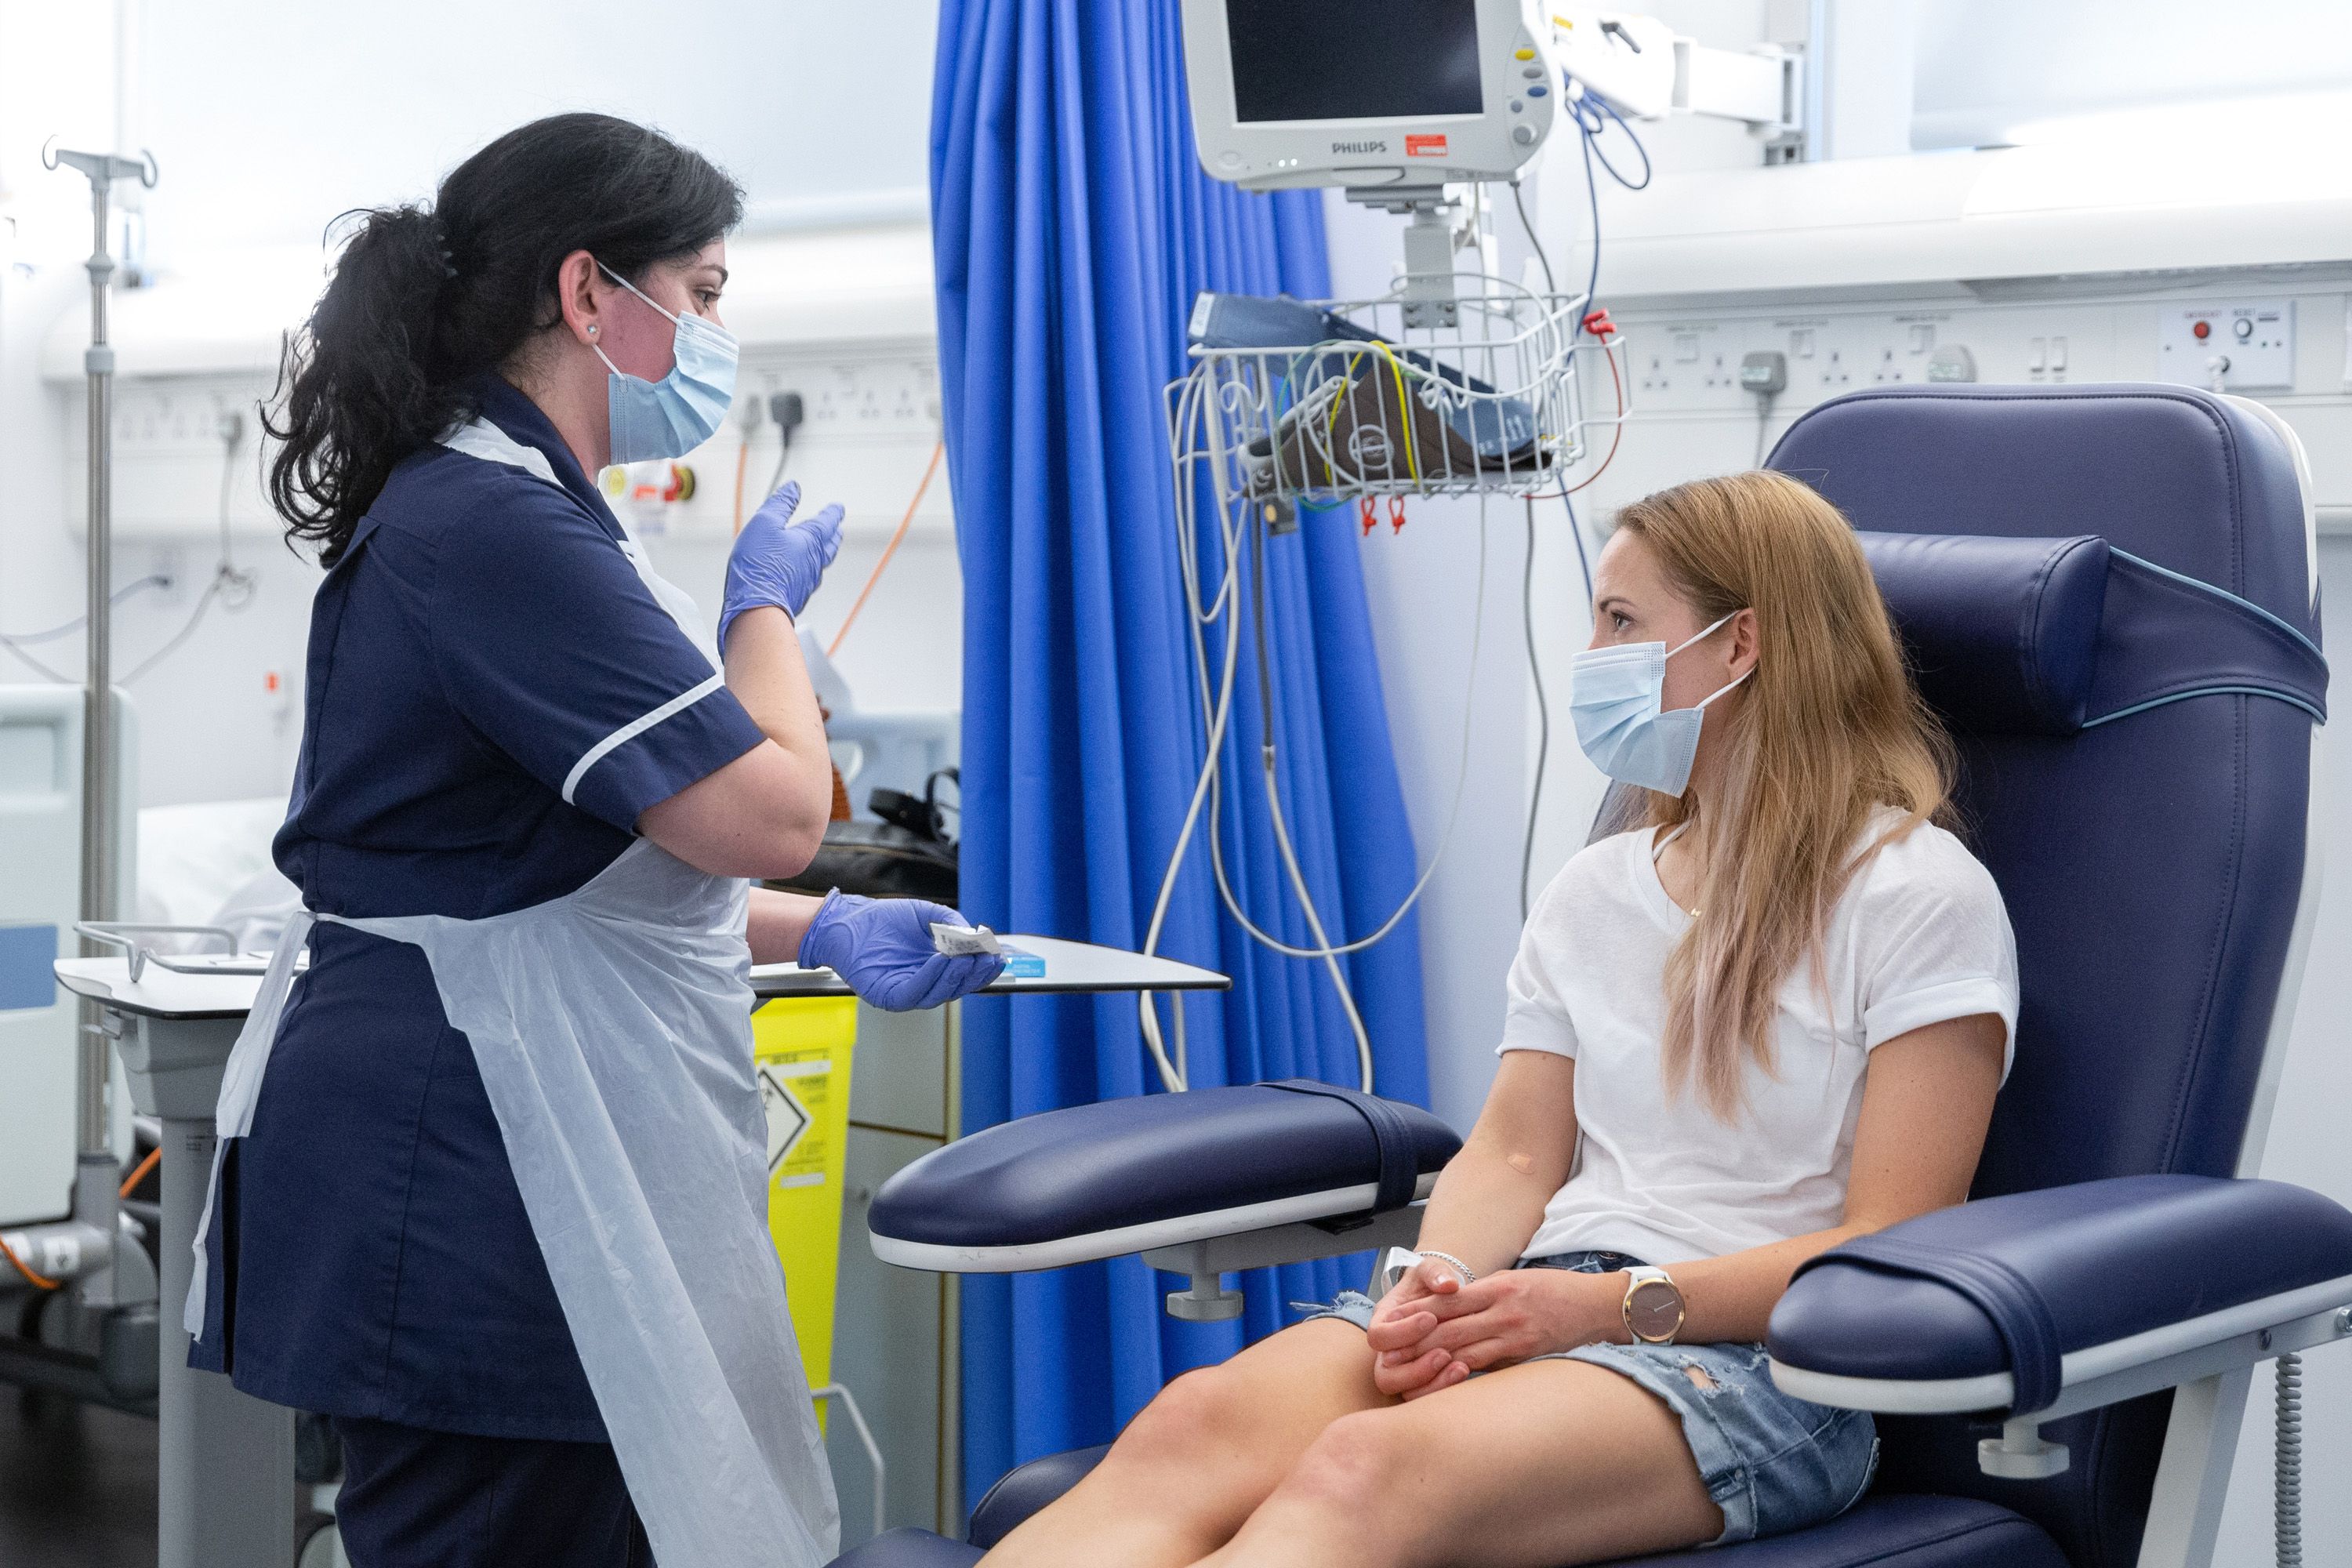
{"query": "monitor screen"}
[(1353, 60)]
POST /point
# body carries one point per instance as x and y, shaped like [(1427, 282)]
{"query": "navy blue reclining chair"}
[(2110, 593)]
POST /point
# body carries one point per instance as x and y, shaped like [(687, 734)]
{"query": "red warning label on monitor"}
[(1424, 146)]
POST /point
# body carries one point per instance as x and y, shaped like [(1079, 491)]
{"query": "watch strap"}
[(1636, 1276)]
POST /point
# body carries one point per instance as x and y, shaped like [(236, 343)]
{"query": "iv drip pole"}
[(96, 1177)]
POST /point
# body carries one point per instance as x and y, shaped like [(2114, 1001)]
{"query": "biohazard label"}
[(788, 1119), (1427, 146)]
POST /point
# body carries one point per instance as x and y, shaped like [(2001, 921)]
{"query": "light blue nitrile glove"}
[(777, 560), (883, 948)]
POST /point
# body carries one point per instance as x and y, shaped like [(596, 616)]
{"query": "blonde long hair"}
[(1827, 728)]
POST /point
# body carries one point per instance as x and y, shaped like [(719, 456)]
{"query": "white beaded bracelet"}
[(1467, 1275)]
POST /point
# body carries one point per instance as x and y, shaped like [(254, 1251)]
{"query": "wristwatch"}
[(1654, 1305)]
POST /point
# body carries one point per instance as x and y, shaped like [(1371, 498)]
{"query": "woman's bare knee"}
[(1165, 1493), (1198, 1416), (1354, 1468), (1262, 1409)]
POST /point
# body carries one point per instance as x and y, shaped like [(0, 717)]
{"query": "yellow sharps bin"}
[(802, 1047)]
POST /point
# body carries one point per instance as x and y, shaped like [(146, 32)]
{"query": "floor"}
[(76, 1485)]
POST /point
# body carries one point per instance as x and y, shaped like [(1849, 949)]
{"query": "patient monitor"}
[(1390, 98)]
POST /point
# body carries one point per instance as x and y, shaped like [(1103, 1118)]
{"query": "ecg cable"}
[(1216, 692)]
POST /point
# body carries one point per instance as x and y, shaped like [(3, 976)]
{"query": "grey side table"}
[(225, 1490)]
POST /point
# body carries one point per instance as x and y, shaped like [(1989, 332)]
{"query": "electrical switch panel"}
[(2226, 348)]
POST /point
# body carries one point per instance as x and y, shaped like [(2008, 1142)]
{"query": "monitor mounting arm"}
[(1429, 247), (1646, 71)]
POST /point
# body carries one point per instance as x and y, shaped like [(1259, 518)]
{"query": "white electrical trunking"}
[(2229, 348), (188, 456), (1681, 361)]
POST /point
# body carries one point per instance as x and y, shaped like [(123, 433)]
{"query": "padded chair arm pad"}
[(2095, 1263), (1023, 1489), (1120, 1163)]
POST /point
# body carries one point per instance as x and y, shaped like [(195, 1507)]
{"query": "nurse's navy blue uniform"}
[(494, 697)]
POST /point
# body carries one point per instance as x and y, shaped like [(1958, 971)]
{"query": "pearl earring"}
[(591, 331)]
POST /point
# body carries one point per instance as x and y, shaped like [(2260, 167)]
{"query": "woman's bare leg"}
[(1550, 1463), (1197, 1460)]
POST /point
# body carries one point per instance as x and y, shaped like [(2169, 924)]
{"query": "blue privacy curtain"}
[(1073, 229)]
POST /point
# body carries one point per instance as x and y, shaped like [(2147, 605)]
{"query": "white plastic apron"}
[(613, 1031)]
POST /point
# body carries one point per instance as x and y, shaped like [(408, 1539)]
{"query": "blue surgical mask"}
[(1617, 703), (672, 417)]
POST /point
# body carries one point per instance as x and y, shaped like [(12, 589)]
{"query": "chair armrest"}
[(2130, 1284), (1024, 1488), (1129, 1175)]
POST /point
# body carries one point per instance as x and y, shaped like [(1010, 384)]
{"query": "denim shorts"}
[(1771, 1462)]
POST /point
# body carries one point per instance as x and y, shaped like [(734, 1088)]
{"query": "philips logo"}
[(1360, 146)]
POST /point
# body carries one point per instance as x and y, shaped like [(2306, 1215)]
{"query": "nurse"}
[(493, 1180)]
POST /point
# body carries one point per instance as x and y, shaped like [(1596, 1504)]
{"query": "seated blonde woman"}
[(1772, 1017)]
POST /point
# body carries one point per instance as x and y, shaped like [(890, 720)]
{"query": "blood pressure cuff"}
[(2052, 636), (1356, 407)]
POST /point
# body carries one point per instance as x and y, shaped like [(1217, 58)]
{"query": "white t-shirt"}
[(1918, 936)]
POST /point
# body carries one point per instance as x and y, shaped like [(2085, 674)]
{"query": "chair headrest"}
[(2002, 634), (2049, 636)]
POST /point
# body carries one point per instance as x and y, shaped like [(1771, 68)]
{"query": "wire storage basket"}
[(1290, 402)]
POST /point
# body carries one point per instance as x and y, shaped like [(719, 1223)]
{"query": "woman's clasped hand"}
[(1432, 1332)]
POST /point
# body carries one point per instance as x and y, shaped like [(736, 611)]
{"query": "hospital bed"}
[(2061, 1365)]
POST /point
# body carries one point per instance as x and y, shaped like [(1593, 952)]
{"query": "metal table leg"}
[(226, 1459)]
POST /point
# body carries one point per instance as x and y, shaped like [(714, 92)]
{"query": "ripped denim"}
[(1772, 1462)]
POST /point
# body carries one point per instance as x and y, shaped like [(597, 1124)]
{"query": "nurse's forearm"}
[(765, 672), (763, 815), (779, 921)]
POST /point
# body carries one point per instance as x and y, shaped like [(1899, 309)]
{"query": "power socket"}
[(787, 412), (1764, 372)]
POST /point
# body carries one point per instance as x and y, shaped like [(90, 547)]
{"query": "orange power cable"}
[(138, 1172), (888, 550), (40, 1281)]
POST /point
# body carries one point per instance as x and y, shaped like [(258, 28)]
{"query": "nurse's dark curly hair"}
[(424, 299)]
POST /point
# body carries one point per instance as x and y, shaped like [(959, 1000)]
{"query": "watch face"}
[(1654, 1310)]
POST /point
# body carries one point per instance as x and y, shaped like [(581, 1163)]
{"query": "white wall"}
[(269, 117), (1993, 72)]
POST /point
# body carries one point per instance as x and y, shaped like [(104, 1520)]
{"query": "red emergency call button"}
[(2201, 331)]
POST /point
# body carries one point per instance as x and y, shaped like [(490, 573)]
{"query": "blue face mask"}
[(672, 417), (1617, 704)]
